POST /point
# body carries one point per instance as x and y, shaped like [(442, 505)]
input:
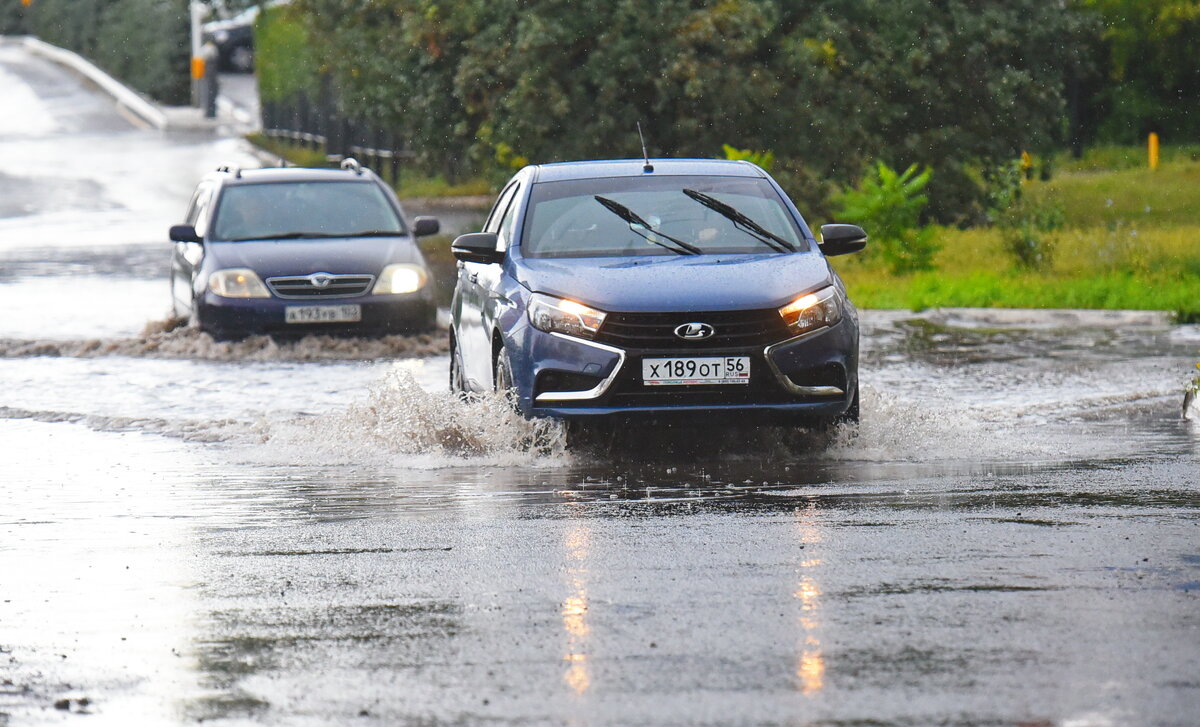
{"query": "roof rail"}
[(233, 169), (352, 164)]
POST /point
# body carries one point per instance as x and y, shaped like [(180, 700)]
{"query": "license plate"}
[(694, 371), (322, 313)]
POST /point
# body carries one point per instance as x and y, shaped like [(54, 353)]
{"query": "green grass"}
[(1132, 240), (411, 183), (1026, 290), (1115, 158), (1135, 196)]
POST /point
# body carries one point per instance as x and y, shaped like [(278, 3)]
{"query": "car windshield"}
[(304, 209), (578, 218)]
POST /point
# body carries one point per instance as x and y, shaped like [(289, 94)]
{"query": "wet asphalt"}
[(316, 533)]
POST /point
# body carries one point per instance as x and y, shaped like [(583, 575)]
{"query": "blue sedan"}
[(656, 288)]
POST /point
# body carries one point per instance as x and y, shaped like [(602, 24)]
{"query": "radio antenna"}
[(648, 167)]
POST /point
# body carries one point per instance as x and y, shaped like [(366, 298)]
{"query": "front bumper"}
[(381, 314), (811, 376)]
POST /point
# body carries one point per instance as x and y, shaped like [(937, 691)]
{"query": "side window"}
[(493, 221), (203, 207), (505, 230), (194, 206)]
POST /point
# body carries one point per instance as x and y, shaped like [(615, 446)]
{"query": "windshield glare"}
[(322, 209), (566, 220)]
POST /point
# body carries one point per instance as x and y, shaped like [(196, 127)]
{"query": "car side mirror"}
[(423, 226), (842, 239), (184, 233), (477, 247)]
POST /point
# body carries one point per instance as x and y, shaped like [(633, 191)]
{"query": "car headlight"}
[(400, 278), (812, 311), (237, 283), (558, 315)]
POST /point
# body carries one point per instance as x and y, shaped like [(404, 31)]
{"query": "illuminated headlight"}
[(400, 279), (815, 310), (237, 283), (556, 315)]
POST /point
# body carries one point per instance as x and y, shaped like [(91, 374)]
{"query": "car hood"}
[(678, 282), (355, 255)]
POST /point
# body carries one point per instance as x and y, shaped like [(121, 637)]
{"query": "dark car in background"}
[(234, 39), (652, 289), (294, 251)]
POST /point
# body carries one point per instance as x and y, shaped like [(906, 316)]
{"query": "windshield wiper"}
[(739, 219), (635, 222), (298, 235), (375, 233), (284, 236)]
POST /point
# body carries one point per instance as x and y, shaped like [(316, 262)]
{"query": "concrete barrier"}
[(122, 94)]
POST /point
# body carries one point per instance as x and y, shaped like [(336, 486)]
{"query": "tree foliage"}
[(12, 18), (827, 85), (286, 65), (1152, 69), (145, 43)]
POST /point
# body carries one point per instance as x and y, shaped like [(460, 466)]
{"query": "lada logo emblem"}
[(694, 331), (320, 280)]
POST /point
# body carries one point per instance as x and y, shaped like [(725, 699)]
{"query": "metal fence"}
[(318, 125)]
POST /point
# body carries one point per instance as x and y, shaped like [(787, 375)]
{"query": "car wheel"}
[(457, 382), (176, 312), (193, 318), (503, 369), (850, 416)]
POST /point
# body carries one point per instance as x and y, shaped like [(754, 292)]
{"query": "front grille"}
[(657, 330), (320, 285)]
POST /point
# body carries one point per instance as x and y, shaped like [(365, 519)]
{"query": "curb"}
[(123, 95), (237, 113)]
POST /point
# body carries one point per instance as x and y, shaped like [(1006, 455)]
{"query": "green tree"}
[(144, 43), (12, 18), (828, 85), (1153, 76)]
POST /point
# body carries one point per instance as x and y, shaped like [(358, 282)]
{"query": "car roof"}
[(291, 174), (561, 171)]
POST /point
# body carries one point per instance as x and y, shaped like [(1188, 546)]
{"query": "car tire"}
[(503, 380), (846, 418), (457, 384), (850, 416)]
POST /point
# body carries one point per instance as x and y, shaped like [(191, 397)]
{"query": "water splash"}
[(405, 424), (171, 338)]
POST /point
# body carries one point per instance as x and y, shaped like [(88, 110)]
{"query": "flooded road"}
[(317, 533)]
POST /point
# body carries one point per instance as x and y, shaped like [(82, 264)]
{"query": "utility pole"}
[(198, 70)]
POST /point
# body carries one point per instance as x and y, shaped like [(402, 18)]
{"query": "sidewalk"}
[(237, 98)]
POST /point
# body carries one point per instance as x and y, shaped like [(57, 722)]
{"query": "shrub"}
[(1024, 223), (285, 61), (889, 206)]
